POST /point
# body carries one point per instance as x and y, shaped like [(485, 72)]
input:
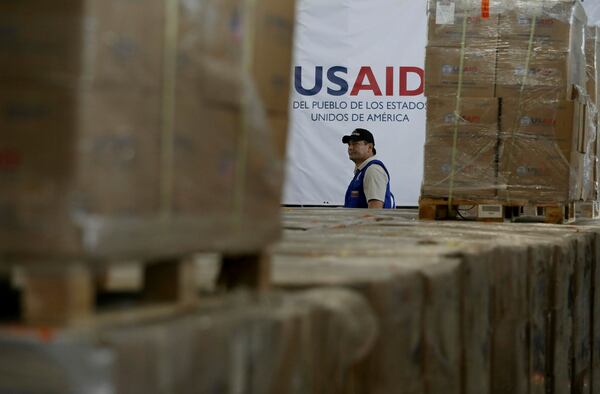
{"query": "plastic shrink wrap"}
[(532, 139), (141, 129)]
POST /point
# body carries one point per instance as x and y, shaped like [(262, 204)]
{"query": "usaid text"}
[(338, 82)]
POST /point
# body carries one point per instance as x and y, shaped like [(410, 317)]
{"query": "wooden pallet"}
[(490, 210), (61, 295)]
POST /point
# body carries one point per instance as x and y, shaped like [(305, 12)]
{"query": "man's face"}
[(359, 151)]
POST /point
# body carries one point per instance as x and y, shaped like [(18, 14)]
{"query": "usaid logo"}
[(522, 171), (531, 121), (519, 71), (447, 69), (526, 21), (337, 81), (449, 118), (543, 72), (525, 121)]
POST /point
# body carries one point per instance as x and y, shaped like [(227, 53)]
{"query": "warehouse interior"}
[(222, 196)]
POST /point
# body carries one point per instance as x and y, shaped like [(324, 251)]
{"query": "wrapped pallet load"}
[(141, 129), (541, 81), (526, 65), (462, 112)]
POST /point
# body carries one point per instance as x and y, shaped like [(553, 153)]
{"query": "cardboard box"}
[(476, 116), (221, 160), (532, 115), (97, 169), (142, 353), (534, 168), (36, 41), (122, 43), (215, 62), (272, 56), (479, 32), (100, 168), (547, 73), (549, 32), (96, 42), (558, 24), (442, 72), (538, 157), (474, 166), (279, 131)]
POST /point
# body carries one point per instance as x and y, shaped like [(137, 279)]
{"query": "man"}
[(370, 187)]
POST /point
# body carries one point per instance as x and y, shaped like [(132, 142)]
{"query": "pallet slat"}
[(490, 210)]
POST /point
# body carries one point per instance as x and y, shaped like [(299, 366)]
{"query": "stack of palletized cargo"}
[(462, 112), (138, 130), (141, 128), (591, 196), (462, 307), (528, 138), (541, 81)]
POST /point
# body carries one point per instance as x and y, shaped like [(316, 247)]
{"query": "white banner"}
[(357, 64)]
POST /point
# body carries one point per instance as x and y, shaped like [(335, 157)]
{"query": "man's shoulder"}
[(375, 162), (375, 170), (369, 162)]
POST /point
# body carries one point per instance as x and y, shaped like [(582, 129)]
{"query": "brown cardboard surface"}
[(533, 115), (217, 157), (536, 169), (480, 32), (215, 62), (538, 139), (548, 71), (117, 161), (106, 43), (547, 92), (474, 166), (550, 31), (34, 40), (278, 123), (91, 41), (88, 157), (272, 56), (305, 341), (477, 116), (103, 161), (442, 72), (121, 49)]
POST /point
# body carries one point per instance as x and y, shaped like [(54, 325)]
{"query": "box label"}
[(444, 12), (489, 211)]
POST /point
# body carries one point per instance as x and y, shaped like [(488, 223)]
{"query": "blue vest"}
[(355, 195)]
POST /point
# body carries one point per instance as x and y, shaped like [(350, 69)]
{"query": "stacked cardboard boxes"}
[(141, 129), (462, 112), (592, 42), (475, 146), (541, 69), (539, 149)]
